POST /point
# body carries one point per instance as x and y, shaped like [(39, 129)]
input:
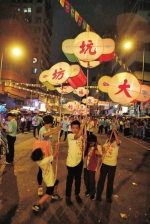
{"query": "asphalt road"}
[(131, 199)]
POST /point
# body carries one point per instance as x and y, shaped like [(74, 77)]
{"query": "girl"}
[(109, 163), (92, 154)]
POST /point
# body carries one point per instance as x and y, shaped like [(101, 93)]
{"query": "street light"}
[(128, 45), (16, 52)]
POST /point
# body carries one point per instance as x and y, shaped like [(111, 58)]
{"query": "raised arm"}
[(116, 136), (80, 132), (52, 131)]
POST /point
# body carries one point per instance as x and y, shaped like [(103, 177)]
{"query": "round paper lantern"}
[(82, 107), (123, 88), (81, 91), (57, 74), (90, 100), (103, 83), (84, 100), (70, 106), (64, 89), (75, 112), (76, 105), (144, 94), (88, 46), (77, 77)]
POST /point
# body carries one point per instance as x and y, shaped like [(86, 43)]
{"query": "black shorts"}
[(50, 190)]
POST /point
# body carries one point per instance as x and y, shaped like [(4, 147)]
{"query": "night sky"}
[(97, 13)]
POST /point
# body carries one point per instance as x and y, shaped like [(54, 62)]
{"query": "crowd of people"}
[(84, 150), (135, 126)]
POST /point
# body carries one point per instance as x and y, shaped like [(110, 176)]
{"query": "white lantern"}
[(70, 106), (88, 46)]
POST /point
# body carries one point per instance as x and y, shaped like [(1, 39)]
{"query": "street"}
[(131, 198)]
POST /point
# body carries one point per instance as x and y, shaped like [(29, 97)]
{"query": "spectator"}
[(11, 137)]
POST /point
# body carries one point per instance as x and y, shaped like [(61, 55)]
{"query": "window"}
[(33, 81), (34, 70), (27, 10), (38, 19), (39, 10), (35, 50), (28, 19), (35, 60)]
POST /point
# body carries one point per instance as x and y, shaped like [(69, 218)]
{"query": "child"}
[(92, 153), (109, 162), (47, 173), (74, 160), (45, 134)]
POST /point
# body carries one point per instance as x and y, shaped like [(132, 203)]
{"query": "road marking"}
[(136, 143)]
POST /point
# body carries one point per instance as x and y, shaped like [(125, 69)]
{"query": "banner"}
[(80, 19), (67, 6), (72, 12), (84, 25), (62, 2), (76, 16)]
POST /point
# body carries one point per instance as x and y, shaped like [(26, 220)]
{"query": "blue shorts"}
[(50, 190)]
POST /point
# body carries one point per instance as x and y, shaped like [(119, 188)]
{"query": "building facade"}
[(37, 16), (134, 27)]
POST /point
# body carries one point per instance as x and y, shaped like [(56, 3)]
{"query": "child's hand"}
[(85, 137), (85, 120), (97, 152)]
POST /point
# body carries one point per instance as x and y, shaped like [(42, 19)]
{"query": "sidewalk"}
[(131, 189)]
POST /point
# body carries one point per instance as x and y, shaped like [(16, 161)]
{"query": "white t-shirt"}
[(47, 171), (111, 153), (74, 150), (23, 119)]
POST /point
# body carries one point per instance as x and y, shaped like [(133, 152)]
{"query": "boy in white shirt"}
[(109, 163), (74, 160), (47, 174)]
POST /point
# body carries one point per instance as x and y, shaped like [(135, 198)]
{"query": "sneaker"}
[(36, 208), (92, 197), (68, 201), (56, 197), (86, 194), (109, 199), (78, 199), (7, 163), (40, 191)]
